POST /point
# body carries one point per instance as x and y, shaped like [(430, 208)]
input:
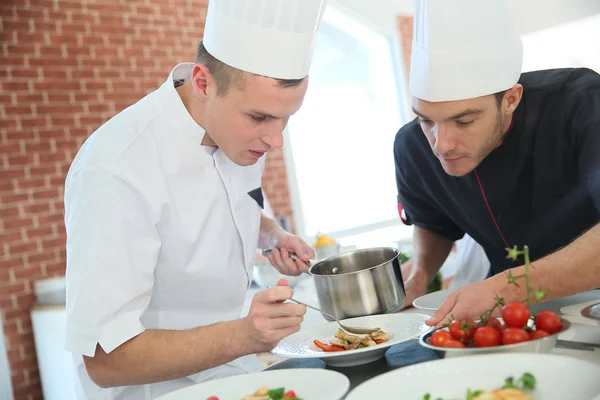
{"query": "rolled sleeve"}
[(418, 208), (112, 250)]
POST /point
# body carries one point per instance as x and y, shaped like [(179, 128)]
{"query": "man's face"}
[(248, 121), (461, 133)]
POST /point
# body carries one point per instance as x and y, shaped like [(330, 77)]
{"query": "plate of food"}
[(285, 384), (514, 376), (339, 348), (432, 301)]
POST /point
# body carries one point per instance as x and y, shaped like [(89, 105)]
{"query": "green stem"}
[(529, 290)]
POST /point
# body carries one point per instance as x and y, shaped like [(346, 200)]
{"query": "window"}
[(573, 44), (339, 146)]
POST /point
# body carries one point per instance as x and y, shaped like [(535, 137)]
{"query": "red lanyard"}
[(490, 211)]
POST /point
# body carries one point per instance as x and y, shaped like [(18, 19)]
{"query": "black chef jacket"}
[(542, 184)]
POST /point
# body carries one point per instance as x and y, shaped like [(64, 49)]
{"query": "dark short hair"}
[(227, 76), (499, 97)]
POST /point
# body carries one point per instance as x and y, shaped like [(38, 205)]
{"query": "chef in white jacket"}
[(163, 209)]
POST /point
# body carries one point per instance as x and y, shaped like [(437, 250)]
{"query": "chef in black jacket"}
[(511, 159)]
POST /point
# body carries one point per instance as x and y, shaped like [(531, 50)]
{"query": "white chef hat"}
[(463, 49), (274, 38)]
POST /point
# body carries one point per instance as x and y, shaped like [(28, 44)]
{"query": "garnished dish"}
[(344, 341), (512, 390), (517, 325), (266, 393)]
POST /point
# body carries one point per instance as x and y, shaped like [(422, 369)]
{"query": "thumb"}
[(282, 282)]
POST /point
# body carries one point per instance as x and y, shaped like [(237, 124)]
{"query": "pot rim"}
[(310, 270)]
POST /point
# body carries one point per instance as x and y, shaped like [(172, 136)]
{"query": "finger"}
[(285, 332), (301, 266), (274, 295), (310, 252), (275, 259), (285, 322), (290, 265), (279, 310), (282, 282), (444, 311)]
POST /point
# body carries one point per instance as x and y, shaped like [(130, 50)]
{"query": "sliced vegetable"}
[(327, 347)]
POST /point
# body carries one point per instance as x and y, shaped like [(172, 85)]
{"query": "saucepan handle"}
[(293, 256)]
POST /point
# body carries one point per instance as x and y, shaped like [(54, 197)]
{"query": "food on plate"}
[(512, 390), (345, 341), (517, 325), (266, 393)]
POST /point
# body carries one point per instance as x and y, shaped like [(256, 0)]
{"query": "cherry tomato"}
[(514, 335), (439, 337), (548, 321), (486, 336), (213, 398), (451, 343), (495, 323), (515, 314), (538, 334), (290, 395), (463, 330)]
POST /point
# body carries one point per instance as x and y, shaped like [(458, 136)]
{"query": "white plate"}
[(432, 301), (557, 377), (307, 383), (401, 327)]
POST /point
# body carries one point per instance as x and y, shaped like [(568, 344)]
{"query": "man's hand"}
[(470, 301), (280, 257), (269, 320), (415, 283)]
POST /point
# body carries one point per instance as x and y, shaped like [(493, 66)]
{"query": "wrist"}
[(239, 342), (506, 291)]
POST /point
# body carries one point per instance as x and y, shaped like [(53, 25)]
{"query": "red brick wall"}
[(405, 25), (67, 66)]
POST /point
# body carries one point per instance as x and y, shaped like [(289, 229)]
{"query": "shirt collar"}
[(178, 114)]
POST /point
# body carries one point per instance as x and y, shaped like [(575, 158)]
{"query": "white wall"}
[(530, 15)]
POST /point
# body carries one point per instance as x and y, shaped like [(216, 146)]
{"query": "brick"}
[(29, 122), (56, 269), (50, 219), (25, 300), (53, 242), (66, 109), (30, 391), (17, 222), (29, 273), (12, 288), (43, 231), (10, 147), (55, 74), (13, 315), (14, 199), (20, 159), (36, 208), (24, 325), (30, 98), (54, 98), (31, 183), (21, 248), (46, 194), (55, 62), (15, 86)]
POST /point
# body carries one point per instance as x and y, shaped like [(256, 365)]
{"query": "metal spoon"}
[(358, 331)]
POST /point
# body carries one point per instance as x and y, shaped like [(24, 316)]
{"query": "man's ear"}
[(512, 98), (201, 80)]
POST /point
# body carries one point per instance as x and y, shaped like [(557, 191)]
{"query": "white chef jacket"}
[(161, 234), (473, 264)]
